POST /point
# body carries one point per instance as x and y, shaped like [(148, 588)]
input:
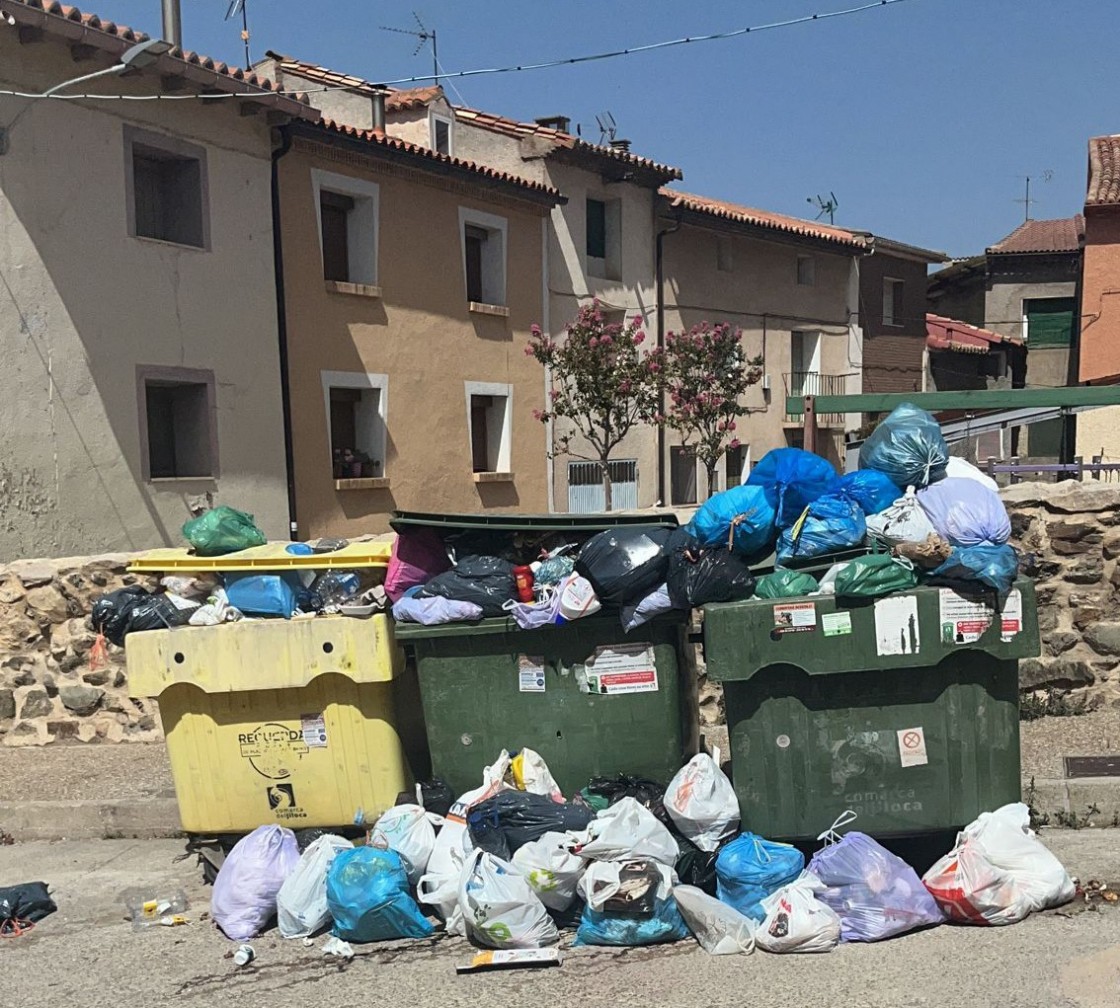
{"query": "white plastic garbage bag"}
[(796, 921), (441, 892), (903, 521), (410, 831), (531, 774), (827, 583), (499, 908), (552, 870), (965, 512), (602, 882), (702, 802), (963, 469), (244, 897), (301, 904), (719, 928), (998, 871), (625, 831), (453, 842)]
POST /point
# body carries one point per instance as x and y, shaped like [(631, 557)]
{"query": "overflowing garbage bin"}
[(904, 709)]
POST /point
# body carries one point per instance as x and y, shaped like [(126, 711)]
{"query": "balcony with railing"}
[(803, 383)]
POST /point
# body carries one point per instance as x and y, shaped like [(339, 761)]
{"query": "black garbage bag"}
[(695, 867), (511, 819), (436, 796), (643, 790), (626, 563), (24, 904), (134, 608), (698, 576), (485, 580)]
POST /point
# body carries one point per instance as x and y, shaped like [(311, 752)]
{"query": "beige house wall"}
[(419, 336), (83, 304)]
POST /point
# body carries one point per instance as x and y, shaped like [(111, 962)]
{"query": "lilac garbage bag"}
[(436, 609), (245, 891), (966, 512)]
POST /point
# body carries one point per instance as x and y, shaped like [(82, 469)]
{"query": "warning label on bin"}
[(912, 747), (836, 624), (792, 617), (314, 731), (620, 668), (273, 749), (530, 674), (965, 620)]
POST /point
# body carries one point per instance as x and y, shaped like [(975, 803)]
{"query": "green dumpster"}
[(904, 709), (591, 699)]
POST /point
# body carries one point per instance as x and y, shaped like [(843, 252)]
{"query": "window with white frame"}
[(489, 426), (356, 405), (806, 270), (347, 211), (892, 301), (441, 134), (167, 189), (483, 238), (604, 238)]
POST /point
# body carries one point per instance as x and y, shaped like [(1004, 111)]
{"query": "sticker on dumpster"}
[(620, 668), (792, 617), (896, 625), (964, 620), (314, 731), (912, 747), (282, 802), (273, 749), (530, 674), (836, 624), (1011, 617)]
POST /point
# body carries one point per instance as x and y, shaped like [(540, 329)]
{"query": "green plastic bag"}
[(784, 583), (872, 576), (222, 530)]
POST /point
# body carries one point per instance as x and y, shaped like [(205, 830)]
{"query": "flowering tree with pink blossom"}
[(706, 372), (602, 386)]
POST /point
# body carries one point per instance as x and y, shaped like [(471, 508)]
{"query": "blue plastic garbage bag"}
[(908, 447), (984, 565), (367, 892), (876, 893), (750, 868), (597, 927), (793, 479), (742, 516), (831, 523), (872, 490), (965, 511)]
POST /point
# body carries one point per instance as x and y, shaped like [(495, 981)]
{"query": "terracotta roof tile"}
[(75, 25), (762, 218), (948, 334), (1104, 171), (396, 99), (395, 143), (1063, 235)]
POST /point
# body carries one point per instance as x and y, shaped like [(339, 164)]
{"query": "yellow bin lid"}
[(270, 557)]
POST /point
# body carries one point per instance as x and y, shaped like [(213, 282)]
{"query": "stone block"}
[(50, 685), (1088, 570), (32, 573), (82, 700), (97, 677), (36, 704), (1059, 641), (1110, 546), (1104, 637), (1085, 615), (63, 729), (7, 704), (11, 591), (1060, 673), (1020, 523), (1047, 620), (47, 604), (17, 630)]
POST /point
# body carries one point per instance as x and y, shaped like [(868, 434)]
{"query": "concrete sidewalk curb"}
[(141, 818), (1074, 797)]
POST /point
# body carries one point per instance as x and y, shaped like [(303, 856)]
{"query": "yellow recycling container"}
[(276, 721)]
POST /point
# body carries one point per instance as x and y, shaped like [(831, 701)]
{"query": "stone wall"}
[(49, 688), (1069, 534)]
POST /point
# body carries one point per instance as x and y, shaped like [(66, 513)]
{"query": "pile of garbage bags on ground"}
[(927, 517), (512, 864)]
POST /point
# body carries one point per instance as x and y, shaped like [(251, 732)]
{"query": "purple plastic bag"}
[(437, 609), (876, 894), (244, 898), (965, 512), (418, 556)]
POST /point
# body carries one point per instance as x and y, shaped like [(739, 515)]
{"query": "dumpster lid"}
[(532, 523), (491, 625), (272, 556)]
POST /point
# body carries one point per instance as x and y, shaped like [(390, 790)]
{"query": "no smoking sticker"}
[(912, 747)]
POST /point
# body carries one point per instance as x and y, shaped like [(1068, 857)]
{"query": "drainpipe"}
[(282, 328), (172, 23), (379, 111), (1073, 370), (659, 260), (546, 322)]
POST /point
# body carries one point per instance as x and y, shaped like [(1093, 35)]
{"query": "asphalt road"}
[(87, 954)]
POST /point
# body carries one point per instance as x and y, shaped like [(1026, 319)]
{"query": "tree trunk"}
[(605, 469), (710, 468)]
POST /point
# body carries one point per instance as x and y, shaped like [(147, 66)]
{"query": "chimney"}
[(378, 101), (172, 23), (620, 145), (559, 123)]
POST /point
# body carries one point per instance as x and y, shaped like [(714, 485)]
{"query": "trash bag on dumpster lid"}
[(27, 903), (552, 870), (829, 524), (487, 581), (875, 575), (418, 555), (626, 830), (222, 530), (410, 830), (625, 563), (796, 920), (510, 819), (741, 519), (793, 479), (263, 594), (963, 469), (244, 897), (656, 603), (750, 868), (720, 929), (908, 447), (367, 890), (984, 566), (965, 512), (632, 885), (435, 610), (301, 904), (698, 575), (530, 773), (702, 802), (876, 893), (903, 521), (784, 583), (872, 490), (998, 871), (499, 907), (602, 792), (133, 608)]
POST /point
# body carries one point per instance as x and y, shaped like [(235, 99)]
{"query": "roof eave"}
[(759, 231), (615, 168)]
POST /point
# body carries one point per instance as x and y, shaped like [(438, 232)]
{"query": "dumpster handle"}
[(846, 818)]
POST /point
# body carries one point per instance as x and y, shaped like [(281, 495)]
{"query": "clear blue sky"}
[(921, 117)]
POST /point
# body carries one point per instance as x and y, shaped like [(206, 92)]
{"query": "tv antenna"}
[(825, 206), (423, 35), (608, 128), (239, 7), (1047, 175)]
